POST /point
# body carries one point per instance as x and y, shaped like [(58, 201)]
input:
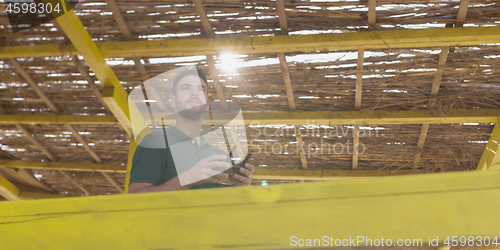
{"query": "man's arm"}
[(203, 169), (145, 187)]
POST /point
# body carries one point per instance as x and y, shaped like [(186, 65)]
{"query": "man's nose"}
[(195, 92)]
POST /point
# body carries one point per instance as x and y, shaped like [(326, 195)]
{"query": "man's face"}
[(191, 100)]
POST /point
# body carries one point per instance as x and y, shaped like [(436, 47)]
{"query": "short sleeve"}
[(148, 164)]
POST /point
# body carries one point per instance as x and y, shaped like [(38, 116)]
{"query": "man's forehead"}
[(193, 81)]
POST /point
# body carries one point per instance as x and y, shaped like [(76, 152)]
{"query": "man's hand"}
[(240, 180), (204, 171)]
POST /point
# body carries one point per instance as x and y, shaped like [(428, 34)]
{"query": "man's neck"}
[(192, 128)]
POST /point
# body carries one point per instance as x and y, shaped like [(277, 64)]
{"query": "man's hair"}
[(192, 71)]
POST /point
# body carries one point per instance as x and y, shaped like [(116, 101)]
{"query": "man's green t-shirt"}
[(153, 161)]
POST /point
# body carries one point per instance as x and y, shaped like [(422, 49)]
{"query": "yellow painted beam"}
[(368, 117), (8, 190), (322, 175), (252, 45), (37, 51), (11, 193), (292, 118), (24, 195), (257, 217), (65, 166), (490, 159), (259, 174), (80, 38), (58, 119), (131, 151), (371, 117)]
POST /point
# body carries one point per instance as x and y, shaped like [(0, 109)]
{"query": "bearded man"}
[(154, 161)]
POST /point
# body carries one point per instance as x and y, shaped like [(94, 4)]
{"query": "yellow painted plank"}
[(252, 45), (490, 159), (8, 190), (259, 174), (292, 118), (65, 166), (58, 119), (37, 51), (371, 117), (367, 117), (80, 38), (257, 217), (322, 175), (24, 195)]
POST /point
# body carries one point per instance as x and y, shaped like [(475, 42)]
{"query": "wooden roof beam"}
[(357, 105), (216, 83), (377, 117), (33, 85), (359, 84), (65, 166), (83, 189), (113, 94), (128, 35), (4, 154), (116, 96), (215, 76), (372, 11), (204, 19), (94, 155), (198, 4), (34, 141), (280, 8), (84, 143), (58, 119), (113, 182), (462, 13), (84, 72), (122, 24), (29, 136), (434, 91), (268, 174), (8, 190), (437, 37), (291, 104), (26, 195), (323, 174), (49, 103), (490, 159)]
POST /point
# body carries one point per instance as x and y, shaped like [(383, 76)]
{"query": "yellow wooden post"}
[(491, 156), (131, 151)]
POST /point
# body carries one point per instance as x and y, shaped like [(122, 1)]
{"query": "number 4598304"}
[(471, 241), (32, 8)]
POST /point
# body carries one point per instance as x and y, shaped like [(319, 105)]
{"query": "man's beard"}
[(194, 113)]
